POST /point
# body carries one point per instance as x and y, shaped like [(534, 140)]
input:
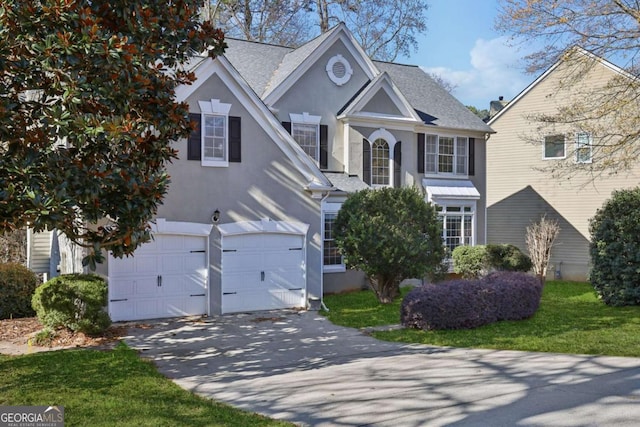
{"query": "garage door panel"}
[(263, 272), (284, 258), (284, 279), (238, 261), (167, 278), (241, 281), (196, 262)]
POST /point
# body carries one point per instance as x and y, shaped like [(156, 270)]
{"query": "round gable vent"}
[(339, 70)]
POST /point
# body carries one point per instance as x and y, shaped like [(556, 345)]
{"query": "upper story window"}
[(446, 155), (215, 132), (214, 137), (305, 129), (584, 147), (554, 147), (380, 170)]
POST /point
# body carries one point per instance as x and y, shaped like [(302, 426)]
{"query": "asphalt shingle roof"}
[(433, 103), (346, 183), (266, 66)]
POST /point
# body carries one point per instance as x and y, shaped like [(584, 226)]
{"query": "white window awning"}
[(459, 189)]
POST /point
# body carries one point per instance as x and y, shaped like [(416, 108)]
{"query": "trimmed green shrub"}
[(469, 261), (507, 257), (17, 284), (390, 234), (74, 301), (615, 249), (466, 304)]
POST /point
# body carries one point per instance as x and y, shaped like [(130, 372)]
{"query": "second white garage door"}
[(263, 271)]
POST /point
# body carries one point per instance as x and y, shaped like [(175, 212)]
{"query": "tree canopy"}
[(390, 234), (575, 31), (383, 28), (88, 114)]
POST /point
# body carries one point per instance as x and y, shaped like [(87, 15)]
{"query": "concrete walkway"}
[(300, 367)]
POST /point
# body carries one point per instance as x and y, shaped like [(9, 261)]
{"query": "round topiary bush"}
[(507, 257), (74, 301), (17, 284), (469, 261), (466, 304), (515, 295), (615, 249)]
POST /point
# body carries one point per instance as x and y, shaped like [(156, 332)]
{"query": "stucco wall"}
[(264, 185)]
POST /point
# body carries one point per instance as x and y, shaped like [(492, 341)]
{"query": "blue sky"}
[(461, 46)]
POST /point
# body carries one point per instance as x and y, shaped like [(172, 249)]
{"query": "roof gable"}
[(221, 67), (368, 102), (297, 62), (575, 50), (435, 106)]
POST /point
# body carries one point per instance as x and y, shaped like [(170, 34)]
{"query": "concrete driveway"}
[(300, 367)]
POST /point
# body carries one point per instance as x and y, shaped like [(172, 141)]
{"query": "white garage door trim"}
[(181, 284), (263, 265)]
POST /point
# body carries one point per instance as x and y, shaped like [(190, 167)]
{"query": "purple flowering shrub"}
[(467, 304), (516, 295)]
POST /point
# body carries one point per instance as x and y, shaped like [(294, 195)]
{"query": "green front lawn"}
[(570, 320), (109, 388)]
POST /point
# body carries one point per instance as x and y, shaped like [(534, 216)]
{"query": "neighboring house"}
[(43, 255), (520, 187), (283, 137)]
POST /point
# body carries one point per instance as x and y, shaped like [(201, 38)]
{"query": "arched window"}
[(380, 162)]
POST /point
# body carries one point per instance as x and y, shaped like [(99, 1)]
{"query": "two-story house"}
[(525, 150), (283, 136)]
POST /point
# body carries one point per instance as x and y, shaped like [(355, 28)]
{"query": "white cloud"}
[(495, 70)]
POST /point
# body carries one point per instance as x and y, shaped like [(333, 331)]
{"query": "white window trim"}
[(444, 203), (577, 147), (215, 108), (330, 208), (451, 175), (544, 147), (308, 119), (382, 133), (339, 81)]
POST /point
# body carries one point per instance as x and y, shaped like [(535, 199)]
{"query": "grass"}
[(570, 319), (107, 388)]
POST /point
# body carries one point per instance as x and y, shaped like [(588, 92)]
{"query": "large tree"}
[(610, 111), (283, 22), (385, 29), (390, 234), (88, 114)]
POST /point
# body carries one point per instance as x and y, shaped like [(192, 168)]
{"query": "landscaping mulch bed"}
[(18, 332)]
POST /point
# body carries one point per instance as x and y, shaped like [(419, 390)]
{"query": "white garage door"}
[(263, 272), (166, 277)]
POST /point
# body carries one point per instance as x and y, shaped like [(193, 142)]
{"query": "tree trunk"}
[(323, 15), (386, 289)]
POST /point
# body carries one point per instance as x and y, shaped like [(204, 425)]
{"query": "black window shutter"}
[(195, 138), (235, 140), (287, 126), (397, 163), (421, 148), (366, 161), (472, 154), (324, 146)]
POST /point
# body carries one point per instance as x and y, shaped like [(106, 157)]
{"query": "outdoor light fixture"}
[(215, 217)]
